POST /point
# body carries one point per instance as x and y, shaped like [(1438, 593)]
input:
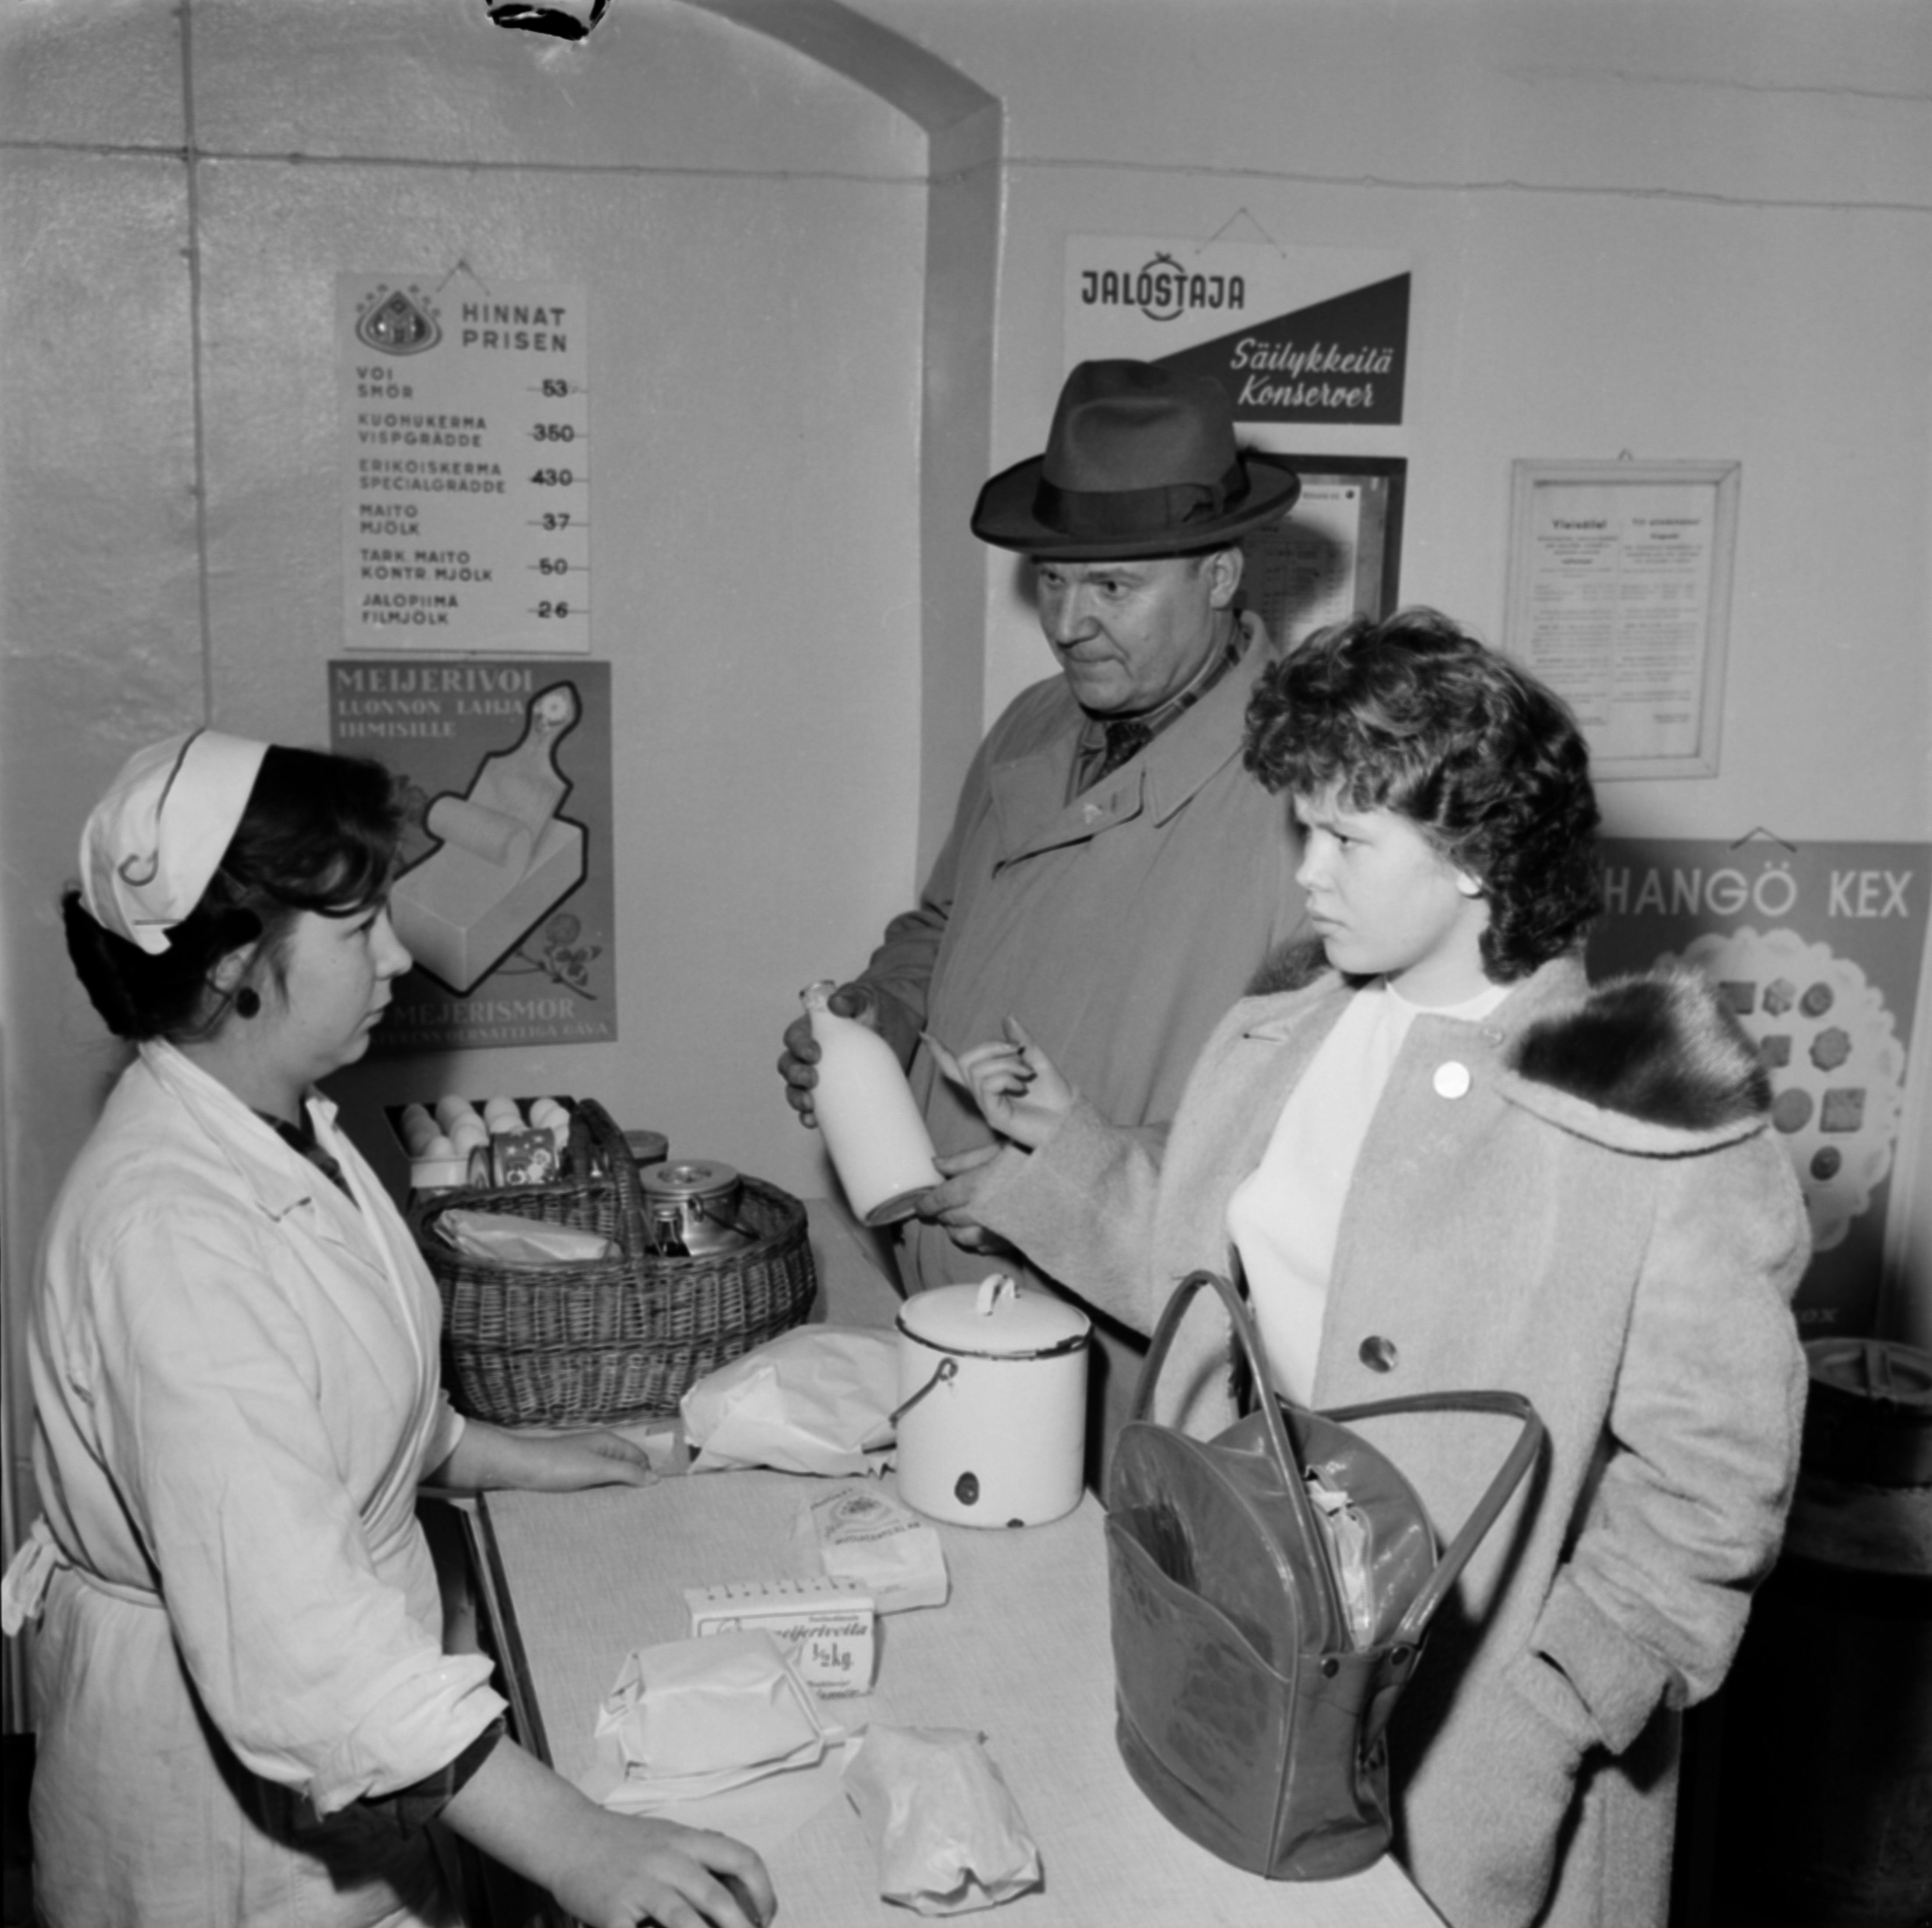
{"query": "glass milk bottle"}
[(879, 1143)]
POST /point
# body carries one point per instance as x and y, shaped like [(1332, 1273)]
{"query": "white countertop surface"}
[(1019, 1654)]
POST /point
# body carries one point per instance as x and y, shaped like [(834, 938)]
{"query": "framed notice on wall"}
[(1337, 552), (1619, 598)]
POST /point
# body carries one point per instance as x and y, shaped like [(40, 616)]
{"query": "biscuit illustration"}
[(1837, 1067)]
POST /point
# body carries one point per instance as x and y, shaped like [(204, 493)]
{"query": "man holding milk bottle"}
[(1114, 879)]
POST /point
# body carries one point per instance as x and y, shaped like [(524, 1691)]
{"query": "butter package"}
[(824, 1626), (866, 1538)]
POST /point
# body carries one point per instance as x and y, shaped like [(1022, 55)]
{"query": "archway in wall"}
[(964, 127)]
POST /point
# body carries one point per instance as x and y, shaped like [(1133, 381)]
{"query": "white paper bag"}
[(817, 1399)]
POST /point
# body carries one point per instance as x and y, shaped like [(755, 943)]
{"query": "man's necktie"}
[(1123, 738)]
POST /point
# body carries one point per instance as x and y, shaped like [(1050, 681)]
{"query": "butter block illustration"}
[(504, 857)]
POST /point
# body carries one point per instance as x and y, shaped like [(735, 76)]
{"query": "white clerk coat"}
[(235, 1371)]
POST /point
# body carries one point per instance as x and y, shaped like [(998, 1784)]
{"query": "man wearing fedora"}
[(1114, 877)]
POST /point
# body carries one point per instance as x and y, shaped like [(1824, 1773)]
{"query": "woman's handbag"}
[(1269, 1591)]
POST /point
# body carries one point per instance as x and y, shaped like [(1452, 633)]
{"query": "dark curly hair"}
[(320, 833), (1413, 715)]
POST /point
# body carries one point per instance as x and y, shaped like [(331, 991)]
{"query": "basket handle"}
[(1274, 1425), (600, 1129)]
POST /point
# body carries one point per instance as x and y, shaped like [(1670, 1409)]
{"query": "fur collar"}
[(1293, 966), (1660, 1048)]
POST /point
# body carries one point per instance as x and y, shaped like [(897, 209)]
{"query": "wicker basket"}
[(618, 1340)]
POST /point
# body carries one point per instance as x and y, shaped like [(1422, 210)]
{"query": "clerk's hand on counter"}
[(607, 1870), (951, 1204), (489, 1458)]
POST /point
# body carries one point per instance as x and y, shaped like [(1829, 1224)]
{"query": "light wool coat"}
[(1577, 1199), (1117, 927)]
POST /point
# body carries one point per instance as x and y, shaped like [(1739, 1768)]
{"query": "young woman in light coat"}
[(1445, 1162)]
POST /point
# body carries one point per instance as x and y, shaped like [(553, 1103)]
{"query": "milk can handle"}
[(1001, 1285), (947, 1368)]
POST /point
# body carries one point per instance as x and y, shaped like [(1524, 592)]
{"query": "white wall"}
[(1690, 229), (750, 230)]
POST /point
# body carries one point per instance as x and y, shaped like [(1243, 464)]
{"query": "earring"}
[(247, 1001)]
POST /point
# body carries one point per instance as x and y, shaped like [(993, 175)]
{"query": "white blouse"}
[(1284, 1217)]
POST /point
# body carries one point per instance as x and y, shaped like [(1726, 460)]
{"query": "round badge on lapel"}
[(1377, 1354), (1452, 1080)]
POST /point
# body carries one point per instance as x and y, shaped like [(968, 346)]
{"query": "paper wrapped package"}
[(947, 1831), (864, 1536), (691, 1718), (824, 1626), (817, 1399), (506, 1238)]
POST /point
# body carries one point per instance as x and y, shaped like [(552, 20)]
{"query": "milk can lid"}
[(687, 1178), (994, 1320)]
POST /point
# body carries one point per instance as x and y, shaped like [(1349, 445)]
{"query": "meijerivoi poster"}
[(1818, 949), (505, 897)]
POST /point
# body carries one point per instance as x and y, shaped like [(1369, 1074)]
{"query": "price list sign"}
[(465, 465)]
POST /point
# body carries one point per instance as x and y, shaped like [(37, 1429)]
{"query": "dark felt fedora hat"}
[(1140, 461)]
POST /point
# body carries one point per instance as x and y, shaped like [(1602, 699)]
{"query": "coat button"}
[(1377, 1354), (1452, 1080)]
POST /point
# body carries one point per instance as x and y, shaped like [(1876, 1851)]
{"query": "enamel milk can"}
[(992, 1412)]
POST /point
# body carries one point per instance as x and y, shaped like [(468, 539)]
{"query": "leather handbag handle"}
[(1522, 1455), (1287, 1462), (1515, 1468)]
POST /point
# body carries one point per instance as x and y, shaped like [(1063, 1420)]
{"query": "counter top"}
[(1020, 1654)]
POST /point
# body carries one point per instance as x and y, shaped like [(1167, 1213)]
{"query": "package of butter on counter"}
[(862, 1535), (825, 1627)]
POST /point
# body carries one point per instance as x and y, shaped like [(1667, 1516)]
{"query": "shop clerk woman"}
[(245, 1713), (1446, 1161)]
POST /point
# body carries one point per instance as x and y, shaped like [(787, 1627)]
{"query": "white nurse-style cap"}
[(152, 843)]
